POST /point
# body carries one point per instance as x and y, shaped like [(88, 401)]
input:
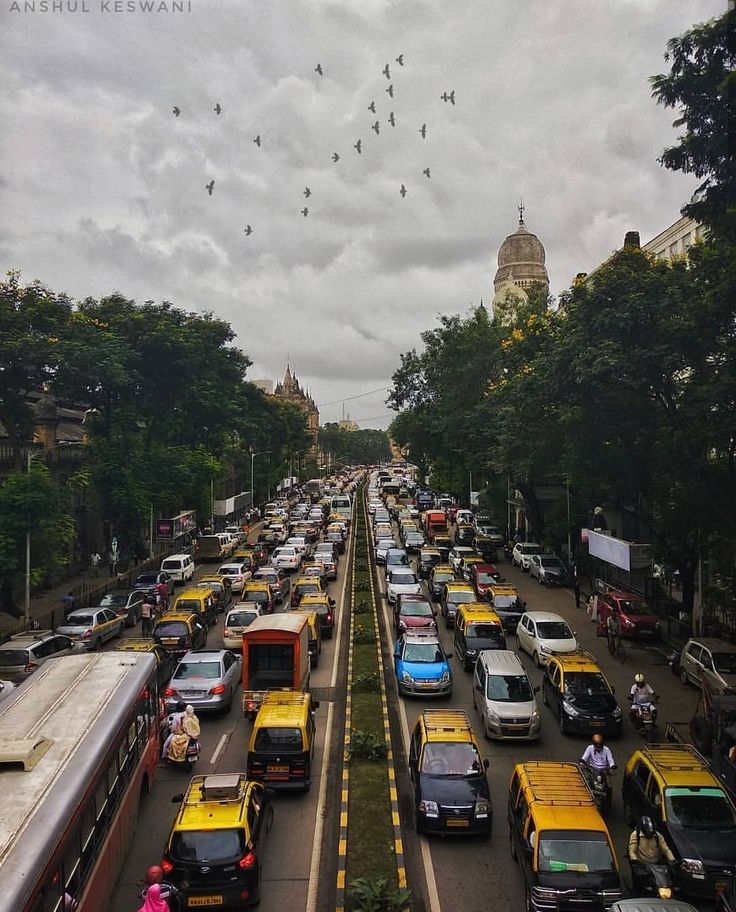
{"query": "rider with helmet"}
[(597, 756), (646, 847), (167, 891), (642, 694)]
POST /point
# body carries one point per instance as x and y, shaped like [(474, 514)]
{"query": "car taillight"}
[(31, 666), (248, 860), (217, 689), (169, 692), (329, 617), (166, 866), (87, 634), (227, 632)]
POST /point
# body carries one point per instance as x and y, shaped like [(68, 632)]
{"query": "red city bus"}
[(79, 745)]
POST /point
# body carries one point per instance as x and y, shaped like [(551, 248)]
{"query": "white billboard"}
[(623, 554)]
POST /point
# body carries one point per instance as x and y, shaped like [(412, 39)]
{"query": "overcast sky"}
[(103, 188)]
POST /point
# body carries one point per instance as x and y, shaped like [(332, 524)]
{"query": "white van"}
[(180, 567), (504, 697)]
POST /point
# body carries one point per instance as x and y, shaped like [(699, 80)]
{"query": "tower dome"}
[(520, 260)]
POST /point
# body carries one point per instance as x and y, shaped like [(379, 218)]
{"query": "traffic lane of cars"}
[(292, 834), (456, 861)]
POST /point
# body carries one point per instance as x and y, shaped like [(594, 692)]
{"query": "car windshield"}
[(442, 576), (80, 620), (171, 629), (403, 579), (13, 657), (187, 605), (550, 563), (554, 630), (450, 759), (509, 688), (241, 619), (505, 601), (188, 670), (208, 846), (725, 662), (146, 579), (416, 609), (586, 683), (483, 577), (260, 597), (637, 607), (530, 549), (423, 652), (231, 571), (481, 631), (458, 598), (303, 588), (581, 853), (284, 740), (699, 808), (113, 599)]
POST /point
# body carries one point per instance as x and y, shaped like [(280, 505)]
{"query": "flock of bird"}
[(446, 97)]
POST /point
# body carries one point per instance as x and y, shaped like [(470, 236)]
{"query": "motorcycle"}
[(599, 782), (644, 719), (169, 893), (188, 757), (654, 880), (673, 660)]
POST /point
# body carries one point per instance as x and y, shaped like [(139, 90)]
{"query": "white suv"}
[(523, 553)]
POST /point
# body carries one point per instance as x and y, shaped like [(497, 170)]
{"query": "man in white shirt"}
[(598, 756)]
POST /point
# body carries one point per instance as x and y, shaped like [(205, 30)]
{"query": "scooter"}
[(600, 785), (657, 882), (644, 718)]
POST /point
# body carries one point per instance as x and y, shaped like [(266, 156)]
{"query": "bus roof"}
[(76, 702)]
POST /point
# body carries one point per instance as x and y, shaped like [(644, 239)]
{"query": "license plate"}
[(277, 769), (598, 724), (427, 686), (645, 632), (458, 823), (204, 901), (170, 641)]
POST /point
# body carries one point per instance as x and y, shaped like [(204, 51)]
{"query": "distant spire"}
[(521, 211)]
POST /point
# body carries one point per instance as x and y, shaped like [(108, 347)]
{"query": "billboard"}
[(622, 554), (176, 526)]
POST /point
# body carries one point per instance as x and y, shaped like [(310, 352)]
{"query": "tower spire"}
[(521, 210)]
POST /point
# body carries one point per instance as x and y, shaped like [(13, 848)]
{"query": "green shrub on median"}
[(375, 894), (367, 745)]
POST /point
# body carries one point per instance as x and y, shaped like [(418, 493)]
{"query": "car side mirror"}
[(486, 763), (315, 704), (613, 689), (536, 690), (177, 799), (449, 655)]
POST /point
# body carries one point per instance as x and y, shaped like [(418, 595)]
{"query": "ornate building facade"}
[(521, 264), (290, 391)]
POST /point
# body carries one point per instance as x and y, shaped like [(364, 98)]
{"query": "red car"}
[(482, 577), (636, 619), (414, 612)]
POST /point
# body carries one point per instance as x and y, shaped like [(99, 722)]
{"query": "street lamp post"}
[(252, 460)]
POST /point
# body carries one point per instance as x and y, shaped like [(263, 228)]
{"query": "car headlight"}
[(535, 715), (429, 808), (617, 712), (569, 708), (692, 866), (481, 808), (407, 678), (445, 679), (628, 623), (471, 652), (492, 716), (545, 649)]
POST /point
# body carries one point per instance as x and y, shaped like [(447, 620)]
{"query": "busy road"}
[(468, 872)]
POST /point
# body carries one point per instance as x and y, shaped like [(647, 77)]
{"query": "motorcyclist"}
[(646, 847), (641, 694), (167, 891), (188, 730), (597, 758), (175, 724)]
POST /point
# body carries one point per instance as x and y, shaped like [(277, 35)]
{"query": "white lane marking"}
[(432, 892), (314, 866), (219, 749), (314, 878)]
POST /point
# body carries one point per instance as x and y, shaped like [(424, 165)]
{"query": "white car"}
[(523, 553), (282, 533), (236, 573), (374, 505), (458, 554), (540, 633), (236, 621), (286, 557), (465, 516), (401, 582), (383, 546), (299, 543)]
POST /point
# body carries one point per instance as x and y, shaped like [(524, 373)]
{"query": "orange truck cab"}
[(435, 523), (275, 657)]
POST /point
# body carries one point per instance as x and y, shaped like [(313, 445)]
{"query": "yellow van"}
[(477, 626), (315, 634), (281, 746), (560, 840), (214, 852), (199, 600)]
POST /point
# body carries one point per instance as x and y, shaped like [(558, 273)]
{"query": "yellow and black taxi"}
[(261, 593), (560, 840), (178, 632), (324, 606), (453, 595), (438, 576), (577, 692), (214, 852), (200, 600), (443, 543), (429, 557), (477, 626), (305, 585), (671, 783), (91, 627), (165, 663), (507, 604), (221, 587), (448, 774), (281, 746)]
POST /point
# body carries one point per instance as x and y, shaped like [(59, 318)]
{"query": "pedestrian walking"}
[(112, 563), (68, 603), (94, 562), (576, 590), (146, 617)]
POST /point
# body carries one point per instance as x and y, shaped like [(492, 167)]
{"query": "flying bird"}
[(372, 107), (376, 128), (318, 69), (358, 146), (426, 173), (386, 72), (423, 130), (176, 111), (210, 187), (400, 60), (390, 90), (304, 212), (257, 140), (402, 191), (247, 230), (392, 119), (335, 157), (217, 109), (451, 97), (307, 192)]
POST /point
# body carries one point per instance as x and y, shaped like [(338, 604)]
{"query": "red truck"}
[(275, 657), (435, 523)]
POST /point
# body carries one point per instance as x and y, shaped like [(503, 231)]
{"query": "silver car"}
[(92, 626), (711, 660), (23, 653), (6, 688), (126, 603), (205, 678)]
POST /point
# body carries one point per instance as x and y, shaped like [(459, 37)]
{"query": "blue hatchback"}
[(421, 666)]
